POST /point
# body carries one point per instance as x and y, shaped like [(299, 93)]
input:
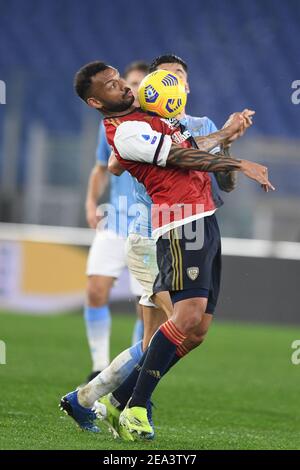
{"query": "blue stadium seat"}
[(240, 53)]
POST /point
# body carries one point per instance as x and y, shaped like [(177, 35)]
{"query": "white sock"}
[(98, 325), (111, 377)]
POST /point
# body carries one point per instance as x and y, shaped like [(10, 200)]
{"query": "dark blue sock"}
[(125, 390), (160, 355), (174, 361)]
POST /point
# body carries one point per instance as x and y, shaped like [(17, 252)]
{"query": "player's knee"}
[(96, 295), (195, 339), (192, 317), (190, 324)]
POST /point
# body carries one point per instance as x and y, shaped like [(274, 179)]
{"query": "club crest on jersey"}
[(193, 272)]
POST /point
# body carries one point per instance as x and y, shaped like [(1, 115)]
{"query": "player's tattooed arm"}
[(247, 115), (195, 159), (234, 128), (227, 180), (213, 140), (233, 125)]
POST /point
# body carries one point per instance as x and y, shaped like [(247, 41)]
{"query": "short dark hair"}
[(138, 65), (83, 78), (167, 59)]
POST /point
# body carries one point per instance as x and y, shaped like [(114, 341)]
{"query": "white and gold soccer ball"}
[(162, 93)]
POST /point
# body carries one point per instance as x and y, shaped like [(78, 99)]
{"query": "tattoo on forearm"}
[(195, 159), (211, 141)]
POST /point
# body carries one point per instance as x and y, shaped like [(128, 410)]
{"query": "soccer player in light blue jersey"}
[(106, 258)]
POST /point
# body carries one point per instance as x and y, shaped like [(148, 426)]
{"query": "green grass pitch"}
[(239, 390)]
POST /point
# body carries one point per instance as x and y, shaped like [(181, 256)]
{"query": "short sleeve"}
[(137, 141), (103, 150)]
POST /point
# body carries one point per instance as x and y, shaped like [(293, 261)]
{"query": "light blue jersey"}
[(198, 126), (121, 190), (141, 223)]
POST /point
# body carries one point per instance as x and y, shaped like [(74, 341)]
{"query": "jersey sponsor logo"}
[(172, 123), (146, 137), (193, 272), (179, 137)]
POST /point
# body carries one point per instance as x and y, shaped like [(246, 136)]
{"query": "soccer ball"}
[(162, 93)]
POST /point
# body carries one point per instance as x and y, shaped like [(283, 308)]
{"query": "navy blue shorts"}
[(189, 262)]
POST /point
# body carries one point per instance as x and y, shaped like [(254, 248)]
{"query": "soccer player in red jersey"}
[(160, 155)]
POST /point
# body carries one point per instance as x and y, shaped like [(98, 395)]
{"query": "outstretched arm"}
[(136, 141), (195, 159)]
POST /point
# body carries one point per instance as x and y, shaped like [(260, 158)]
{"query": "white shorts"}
[(107, 257), (141, 261)]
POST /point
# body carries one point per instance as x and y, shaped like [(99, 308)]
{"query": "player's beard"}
[(119, 107)]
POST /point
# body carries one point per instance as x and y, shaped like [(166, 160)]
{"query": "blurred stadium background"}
[(240, 54)]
